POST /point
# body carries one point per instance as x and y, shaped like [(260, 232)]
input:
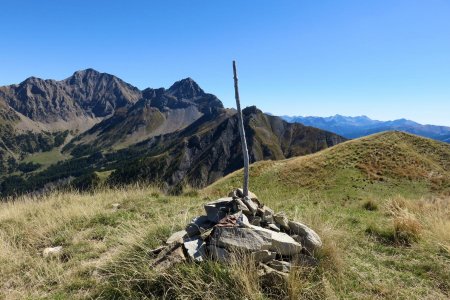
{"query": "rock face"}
[(158, 112), (228, 232), (86, 94)]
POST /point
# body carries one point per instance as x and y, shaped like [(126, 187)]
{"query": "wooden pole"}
[(241, 130)]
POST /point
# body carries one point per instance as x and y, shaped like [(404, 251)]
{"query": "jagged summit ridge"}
[(186, 88)]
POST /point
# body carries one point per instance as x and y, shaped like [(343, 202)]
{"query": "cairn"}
[(241, 224)]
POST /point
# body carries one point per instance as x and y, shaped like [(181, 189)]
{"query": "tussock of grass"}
[(370, 205)]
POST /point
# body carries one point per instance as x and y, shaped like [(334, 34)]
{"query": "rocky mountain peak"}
[(86, 76), (186, 88)]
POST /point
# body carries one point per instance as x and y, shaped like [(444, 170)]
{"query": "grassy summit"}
[(381, 205)]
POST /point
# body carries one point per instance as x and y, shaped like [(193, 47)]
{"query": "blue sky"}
[(386, 58)]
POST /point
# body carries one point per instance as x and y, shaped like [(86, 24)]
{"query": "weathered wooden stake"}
[(241, 130)]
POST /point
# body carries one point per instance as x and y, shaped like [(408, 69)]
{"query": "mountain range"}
[(94, 126), (354, 127)]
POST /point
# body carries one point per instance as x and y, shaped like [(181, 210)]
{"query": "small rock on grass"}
[(52, 251)]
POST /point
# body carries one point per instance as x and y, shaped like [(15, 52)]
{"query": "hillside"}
[(355, 127), (389, 163), (381, 205)]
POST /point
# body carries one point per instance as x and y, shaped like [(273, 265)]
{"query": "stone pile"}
[(241, 225)]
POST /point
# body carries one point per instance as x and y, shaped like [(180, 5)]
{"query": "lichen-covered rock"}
[(255, 220), (242, 207), (271, 277)]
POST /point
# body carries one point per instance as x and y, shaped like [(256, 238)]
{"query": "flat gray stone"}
[(282, 243), (273, 227), (195, 248), (306, 236), (240, 239), (220, 208), (198, 225)]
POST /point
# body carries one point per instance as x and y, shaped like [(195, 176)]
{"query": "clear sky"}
[(382, 58)]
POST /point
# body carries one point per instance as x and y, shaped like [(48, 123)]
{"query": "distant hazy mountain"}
[(354, 127)]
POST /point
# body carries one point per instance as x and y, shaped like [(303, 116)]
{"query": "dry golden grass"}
[(87, 227), (431, 215)]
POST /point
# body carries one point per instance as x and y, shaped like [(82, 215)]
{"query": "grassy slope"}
[(333, 189), (364, 256)]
